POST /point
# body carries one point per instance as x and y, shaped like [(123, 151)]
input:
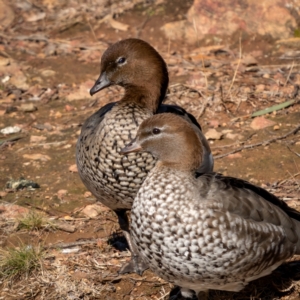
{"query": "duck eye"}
[(156, 131), (121, 60)]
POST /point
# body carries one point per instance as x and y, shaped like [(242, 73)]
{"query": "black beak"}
[(133, 146), (101, 83)]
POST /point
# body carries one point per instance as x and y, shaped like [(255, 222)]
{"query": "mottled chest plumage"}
[(114, 179), (193, 242)]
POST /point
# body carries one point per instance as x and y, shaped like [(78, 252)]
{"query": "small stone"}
[(48, 73), (10, 130), (2, 194), (235, 155), (58, 114), (234, 136), (94, 210), (62, 193), (28, 107), (276, 127), (69, 107), (87, 194), (260, 88), (214, 123), (37, 139), (213, 134), (73, 168), (260, 123)]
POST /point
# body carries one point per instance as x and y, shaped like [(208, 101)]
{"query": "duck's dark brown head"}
[(136, 66), (169, 138)]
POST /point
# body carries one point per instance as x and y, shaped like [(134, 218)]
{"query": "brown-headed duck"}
[(112, 178), (204, 231)]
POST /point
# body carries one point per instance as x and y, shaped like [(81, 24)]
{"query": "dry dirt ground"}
[(49, 58)]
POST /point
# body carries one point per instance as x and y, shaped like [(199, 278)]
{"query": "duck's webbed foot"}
[(135, 265)]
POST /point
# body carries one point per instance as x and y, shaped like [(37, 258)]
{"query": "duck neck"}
[(149, 96), (178, 166)]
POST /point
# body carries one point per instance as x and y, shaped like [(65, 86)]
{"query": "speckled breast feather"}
[(183, 229), (114, 179)]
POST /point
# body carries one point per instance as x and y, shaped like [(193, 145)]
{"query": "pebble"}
[(213, 134), (10, 130)]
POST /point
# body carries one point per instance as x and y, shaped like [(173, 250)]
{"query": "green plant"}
[(20, 261), (34, 221)]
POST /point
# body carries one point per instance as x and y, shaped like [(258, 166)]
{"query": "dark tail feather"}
[(284, 276)]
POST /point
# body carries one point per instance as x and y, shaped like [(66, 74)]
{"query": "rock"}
[(48, 73), (87, 194), (11, 211), (260, 88), (260, 123), (4, 61), (37, 139), (37, 156), (10, 130), (73, 169), (213, 134), (214, 123), (2, 195), (28, 107), (34, 17), (233, 136), (62, 193), (94, 210), (224, 18), (81, 92), (19, 80), (276, 127), (235, 155), (6, 14)]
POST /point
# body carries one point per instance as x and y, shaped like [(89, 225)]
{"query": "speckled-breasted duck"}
[(204, 231), (114, 179)]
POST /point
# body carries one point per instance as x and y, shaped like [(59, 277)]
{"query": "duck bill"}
[(101, 83), (133, 146)]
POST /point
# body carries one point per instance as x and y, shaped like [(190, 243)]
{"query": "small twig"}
[(294, 131), (141, 27), (285, 180), (41, 209), (91, 28), (203, 107), (237, 66), (289, 75), (73, 244), (293, 151)]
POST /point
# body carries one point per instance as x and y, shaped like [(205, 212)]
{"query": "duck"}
[(203, 231), (114, 179)]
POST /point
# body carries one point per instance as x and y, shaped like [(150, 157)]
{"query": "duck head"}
[(169, 138), (136, 66)]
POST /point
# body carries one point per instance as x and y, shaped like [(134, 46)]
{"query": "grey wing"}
[(207, 165), (95, 119), (254, 205)]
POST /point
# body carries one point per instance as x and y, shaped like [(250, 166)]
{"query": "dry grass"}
[(35, 221), (20, 262)]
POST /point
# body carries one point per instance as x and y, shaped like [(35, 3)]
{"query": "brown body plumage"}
[(112, 178), (204, 231)]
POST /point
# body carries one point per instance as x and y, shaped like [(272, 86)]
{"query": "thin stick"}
[(237, 67), (294, 131), (288, 77)]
